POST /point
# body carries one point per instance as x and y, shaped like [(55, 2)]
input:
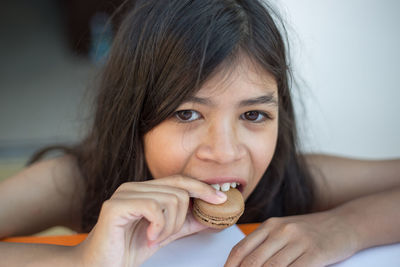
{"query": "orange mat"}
[(72, 240)]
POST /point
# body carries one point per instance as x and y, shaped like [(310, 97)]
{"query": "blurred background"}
[(345, 55), (50, 52)]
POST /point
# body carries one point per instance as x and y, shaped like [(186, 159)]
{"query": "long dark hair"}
[(163, 52)]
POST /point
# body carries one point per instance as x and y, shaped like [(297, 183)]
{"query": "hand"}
[(141, 217), (316, 239)]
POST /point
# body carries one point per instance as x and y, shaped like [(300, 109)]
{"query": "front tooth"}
[(233, 185), (216, 186), (225, 187)]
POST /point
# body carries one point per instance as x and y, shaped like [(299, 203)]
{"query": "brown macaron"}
[(219, 216)]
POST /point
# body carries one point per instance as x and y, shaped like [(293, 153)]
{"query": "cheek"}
[(164, 152), (265, 152), (262, 148)]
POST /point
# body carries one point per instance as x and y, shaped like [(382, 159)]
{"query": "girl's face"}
[(227, 132)]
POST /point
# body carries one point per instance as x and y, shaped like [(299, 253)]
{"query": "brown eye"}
[(187, 115), (254, 116), (251, 115)]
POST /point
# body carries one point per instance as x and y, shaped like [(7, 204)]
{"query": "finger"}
[(286, 255), (123, 212), (169, 205), (134, 190), (182, 211), (246, 246), (132, 187), (306, 259), (265, 250), (170, 210), (194, 187)]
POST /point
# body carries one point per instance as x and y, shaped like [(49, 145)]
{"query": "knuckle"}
[(153, 206), (272, 222), (235, 252), (173, 200), (292, 229), (251, 260), (106, 206), (109, 208), (309, 244), (124, 187), (273, 263), (239, 249), (314, 257), (179, 179), (183, 193), (307, 260)]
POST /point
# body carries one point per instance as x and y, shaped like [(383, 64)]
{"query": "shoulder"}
[(44, 194), (59, 176)]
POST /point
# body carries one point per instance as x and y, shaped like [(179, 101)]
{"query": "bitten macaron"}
[(219, 216)]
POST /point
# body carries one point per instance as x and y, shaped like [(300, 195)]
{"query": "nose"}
[(221, 144)]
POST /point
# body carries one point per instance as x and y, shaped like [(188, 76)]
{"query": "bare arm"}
[(43, 195), (339, 180), (364, 193), (358, 208), (375, 218)]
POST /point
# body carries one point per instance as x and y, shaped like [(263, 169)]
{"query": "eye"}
[(254, 116), (187, 115)]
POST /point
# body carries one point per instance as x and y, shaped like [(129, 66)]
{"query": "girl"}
[(196, 93)]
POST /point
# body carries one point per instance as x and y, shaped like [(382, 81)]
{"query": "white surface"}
[(203, 249), (212, 249), (388, 256)]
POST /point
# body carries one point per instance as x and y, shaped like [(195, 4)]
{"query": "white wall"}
[(347, 55)]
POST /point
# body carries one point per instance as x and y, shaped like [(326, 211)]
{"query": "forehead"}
[(242, 78)]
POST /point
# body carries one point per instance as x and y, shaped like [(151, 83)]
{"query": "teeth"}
[(225, 186), (216, 186)]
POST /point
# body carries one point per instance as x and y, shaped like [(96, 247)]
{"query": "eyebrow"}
[(265, 99), (269, 99)]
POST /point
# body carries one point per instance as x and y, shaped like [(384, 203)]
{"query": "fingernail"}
[(220, 194)]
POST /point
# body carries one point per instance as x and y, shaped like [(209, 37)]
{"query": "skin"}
[(217, 140), (219, 145)]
